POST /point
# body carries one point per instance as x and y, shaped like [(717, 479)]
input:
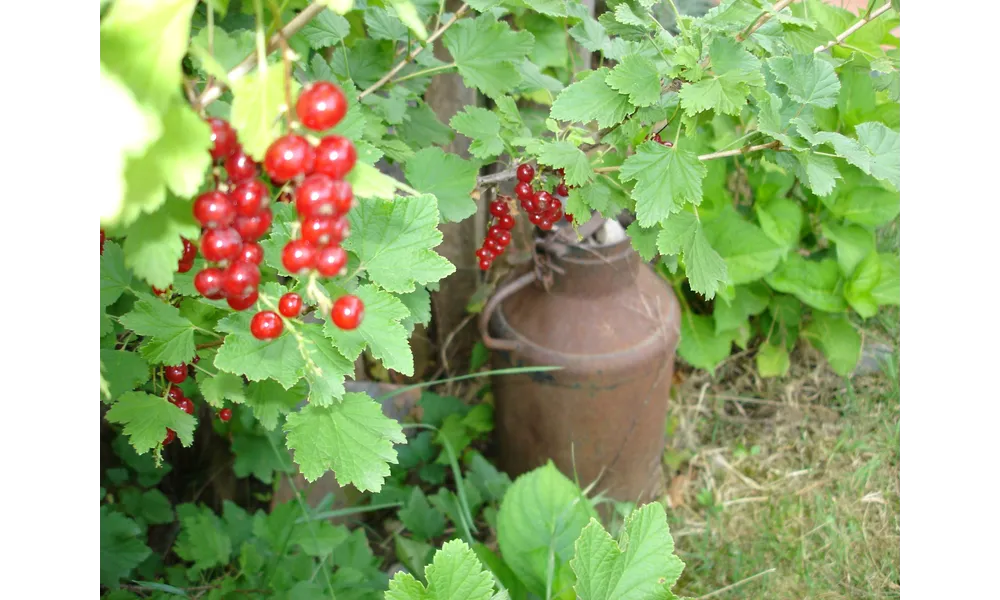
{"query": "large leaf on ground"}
[(836, 338), (817, 283), (749, 253), (700, 345), (121, 546)]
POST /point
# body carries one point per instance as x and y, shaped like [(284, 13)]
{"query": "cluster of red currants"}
[(544, 210), (499, 235), (176, 375), (656, 138)]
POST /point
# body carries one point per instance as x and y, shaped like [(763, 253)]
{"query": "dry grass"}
[(799, 475)]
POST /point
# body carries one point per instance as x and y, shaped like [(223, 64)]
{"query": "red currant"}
[(242, 303), (523, 190), (298, 256), (544, 200), (221, 244), (290, 305), (545, 224), (170, 437), (568, 217), (225, 414), (288, 157), (251, 252), (535, 218), (175, 394), (485, 253), (321, 106), (554, 204), (184, 267), (493, 246), (525, 173), (240, 167), (318, 231), (190, 251), (506, 222), (160, 292), (213, 209), (330, 261), (208, 282), (343, 197), (499, 208), (502, 237), (223, 139), (195, 360), (530, 205), (314, 197), (484, 264), (186, 405), (341, 230), (240, 278), (249, 197), (335, 156), (347, 312), (562, 190), (175, 373), (554, 215), (266, 325), (253, 228)]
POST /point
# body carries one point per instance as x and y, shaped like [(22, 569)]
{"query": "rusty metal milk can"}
[(612, 324)]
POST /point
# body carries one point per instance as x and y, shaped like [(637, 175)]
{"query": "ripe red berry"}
[(253, 228), (523, 190), (335, 156), (195, 360), (525, 173), (288, 157), (535, 218), (190, 250), (240, 279), (493, 246), (266, 325), (102, 242), (506, 222), (321, 106), (568, 217), (242, 303), (485, 253), (484, 264), (240, 167), (175, 373), (221, 244), (554, 204), (347, 312), (502, 238), (225, 414), (175, 393), (223, 139), (544, 200), (213, 209), (554, 215), (318, 231), (343, 197), (545, 224), (562, 190), (251, 252), (186, 405), (499, 208), (184, 267), (170, 437), (249, 197), (160, 292), (298, 256), (208, 282), (530, 205), (341, 230), (290, 305), (330, 261), (314, 197)]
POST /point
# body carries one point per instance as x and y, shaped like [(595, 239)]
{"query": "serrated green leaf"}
[(380, 330), (221, 387), (590, 34), (269, 400), (152, 506), (591, 99), (146, 419), (325, 365), (115, 278), (781, 219), (724, 95), (636, 76), (169, 336), (564, 155), (747, 301), (229, 48), (243, 354), (454, 573), (482, 127), (326, 29), (153, 244), (255, 455), (818, 172), (860, 284), (123, 370), (867, 205), (418, 302), (420, 518), (809, 79), (121, 546), (319, 539), (887, 289), (816, 283), (883, 145), (666, 179), (390, 233), (258, 102), (182, 151), (423, 128), (772, 360), (700, 345), (486, 53), (368, 182), (682, 234), (733, 62), (202, 539), (383, 24), (836, 339), (677, 233), (351, 437), (852, 242), (748, 252), (643, 240)]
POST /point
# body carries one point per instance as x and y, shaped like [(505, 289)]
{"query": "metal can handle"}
[(502, 293)]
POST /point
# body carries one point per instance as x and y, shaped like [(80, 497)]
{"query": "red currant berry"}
[(506, 222), (298, 256), (221, 244), (530, 205), (341, 230), (240, 278), (253, 228), (348, 311), (562, 190), (318, 231), (535, 218), (175, 394), (242, 303), (266, 325), (499, 208), (290, 305), (523, 190), (545, 224), (343, 197), (288, 157), (160, 292), (560, 172), (525, 173), (175, 373), (330, 261), (568, 217), (223, 139), (186, 405), (184, 267), (213, 209), (502, 238), (251, 252), (494, 231), (170, 437), (240, 167), (544, 200), (335, 156), (102, 242), (225, 414), (249, 197), (554, 204), (493, 246), (321, 106), (485, 253), (195, 360), (554, 215), (190, 251), (314, 197), (484, 264), (208, 282)]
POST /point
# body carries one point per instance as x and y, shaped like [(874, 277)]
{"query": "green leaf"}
[(666, 179), (454, 574), (640, 566), (817, 283), (853, 244), (836, 339), (858, 290), (418, 302), (351, 437), (747, 301), (749, 254), (169, 336), (418, 516), (564, 155), (152, 506), (409, 14), (869, 206), (182, 152), (491, 483), (882, 144), (486, 52), (887, 289), (153, 244), (228, 50), (809, 80), (319, 538), (772, 360), (403, 231), (146, 419), (202, 539), (256, 455), (269, 400), (636, 76), (221, 387), (643, 240), (121, 545), (541, 515), (383, 24), (724, 95), (700, 345), (423, 128), (482, 127), (368, 182), (381, 330), (415, 555), (115, 278), (258, 360), (590, 34), (591, 99), (449, 177), (733, 62), (326, 366), (258, 102), (326, 29), (781, 219), (124, 371), (682, 234), (143, 43)]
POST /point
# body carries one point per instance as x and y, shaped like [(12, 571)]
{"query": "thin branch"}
[(430, 41), (212, 92), (763, 18), (775, 145), (864, 21), (497, 177)]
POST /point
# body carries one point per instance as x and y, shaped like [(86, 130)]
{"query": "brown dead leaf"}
[(675, 491)]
